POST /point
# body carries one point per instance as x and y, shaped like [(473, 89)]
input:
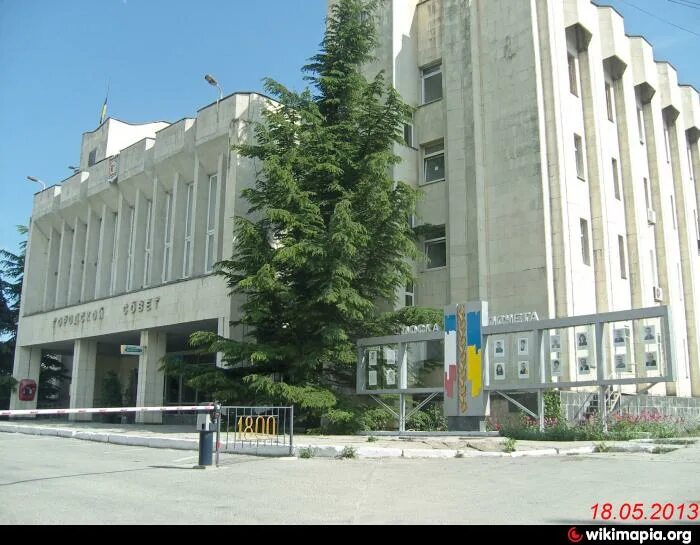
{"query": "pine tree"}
[(328, 237)]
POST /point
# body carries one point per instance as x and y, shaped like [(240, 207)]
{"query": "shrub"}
[(430, 419), (621, 427), (348, 452), (306, 452), (509, 445)]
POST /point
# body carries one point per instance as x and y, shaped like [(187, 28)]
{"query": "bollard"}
[(206, 448), (206, 439)]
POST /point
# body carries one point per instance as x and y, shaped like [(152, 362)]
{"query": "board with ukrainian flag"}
[(464, 388)]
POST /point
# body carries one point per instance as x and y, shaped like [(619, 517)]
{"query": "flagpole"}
[(103, 113)]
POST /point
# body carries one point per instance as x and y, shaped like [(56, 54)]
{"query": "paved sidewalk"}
[(453, 446)]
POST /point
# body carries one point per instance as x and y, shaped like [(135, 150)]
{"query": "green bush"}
[(620, 428), (430, 419), (306, 453), (509, 445), (347, 453)]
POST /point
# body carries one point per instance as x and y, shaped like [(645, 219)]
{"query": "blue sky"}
[(56, 57)]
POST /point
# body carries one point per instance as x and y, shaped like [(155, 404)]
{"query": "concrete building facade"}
[(121, 253), (559, 165), (558, 159)]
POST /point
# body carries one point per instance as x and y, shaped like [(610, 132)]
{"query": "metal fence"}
[(256, 430)]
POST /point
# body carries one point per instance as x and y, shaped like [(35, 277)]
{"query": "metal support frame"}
[(401, 416), (386, 407), (517, 404), (422, 404)]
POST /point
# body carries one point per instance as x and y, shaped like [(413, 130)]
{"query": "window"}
[(697, 229), (434, 163), (130, 255), (609, 101), (647, 195), (409, 300), (673, 213), (436, 249), (149, 244), (585, 249), (573, 75), (654, 271), (680, 281), (623, 259), (167, 240), (578, 147), (691, 166), (432, 83), (92, 157), (616, 179), (211, 223), (408, 134), (667, 142), (640, 124), (189, 212)]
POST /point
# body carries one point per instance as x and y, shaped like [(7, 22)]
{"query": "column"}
[(220, 212), (75, 281), (138, 241), (27, 363), (177, 227), (92, 248), (35, 269), (64, 265), (52, 270), (151, 377), (82, 386), (105, 252), (123, 244), (157, 233), (199, 217)]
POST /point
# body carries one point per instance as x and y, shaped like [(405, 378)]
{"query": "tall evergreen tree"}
[(328, 237), (11, 272)]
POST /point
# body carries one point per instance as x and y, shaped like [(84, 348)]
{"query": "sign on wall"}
[(131, 350)]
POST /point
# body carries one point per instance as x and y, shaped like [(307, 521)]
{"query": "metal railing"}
[(256, 430)]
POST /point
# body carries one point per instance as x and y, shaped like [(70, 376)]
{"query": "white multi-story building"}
[(559, 162), (121, 253)]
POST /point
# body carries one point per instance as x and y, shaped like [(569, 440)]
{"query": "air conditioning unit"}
[(658, 294), (651, 216)]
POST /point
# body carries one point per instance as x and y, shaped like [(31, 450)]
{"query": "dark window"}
[(573, 75), (432, 83)]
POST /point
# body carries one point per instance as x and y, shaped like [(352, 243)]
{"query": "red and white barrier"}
[(39, 412)]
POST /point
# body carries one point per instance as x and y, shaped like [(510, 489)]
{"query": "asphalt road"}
[(47, 480)]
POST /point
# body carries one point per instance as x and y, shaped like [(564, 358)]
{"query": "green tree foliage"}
[(52, 371), (327, 237), (11, 271)]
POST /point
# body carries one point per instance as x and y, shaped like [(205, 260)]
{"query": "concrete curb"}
[(321, 451)]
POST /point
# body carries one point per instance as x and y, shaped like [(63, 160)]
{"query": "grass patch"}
[(348, 453), (509, 445), (372, 439), (620, 428), (306, 452)]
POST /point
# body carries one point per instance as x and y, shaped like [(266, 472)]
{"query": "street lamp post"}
[(212, 81), (37, 180)]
